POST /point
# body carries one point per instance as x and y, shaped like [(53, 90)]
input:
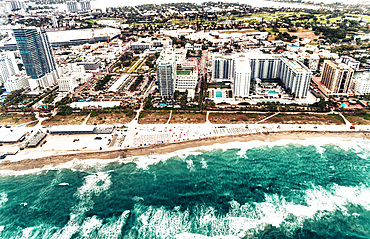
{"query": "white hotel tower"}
[(242, 77)]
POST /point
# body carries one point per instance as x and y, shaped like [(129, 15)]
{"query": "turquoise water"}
[(287, 189), (273, 92), (343, 105)]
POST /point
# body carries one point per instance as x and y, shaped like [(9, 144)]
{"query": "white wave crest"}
[(94, 185), (242, 219), (359, 146), (3, 199)]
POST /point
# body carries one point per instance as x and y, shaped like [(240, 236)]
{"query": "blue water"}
[(288, 189), (343, 105)]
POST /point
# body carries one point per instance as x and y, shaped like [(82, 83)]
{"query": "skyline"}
[(103, 4)]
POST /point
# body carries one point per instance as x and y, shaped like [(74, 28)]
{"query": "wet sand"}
[(168, 148)]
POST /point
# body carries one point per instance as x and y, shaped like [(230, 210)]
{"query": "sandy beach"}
[(55, 160)]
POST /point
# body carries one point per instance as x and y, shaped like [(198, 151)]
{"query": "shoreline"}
[(54, 160)]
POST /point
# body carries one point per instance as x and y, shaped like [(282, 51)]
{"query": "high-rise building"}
[(35, 50), (265, 66), (296, 77), (72, 6), (85, 6), (242, 78), (17, 5), (8, 66), (222, 68), (166, 72), (337, 77)]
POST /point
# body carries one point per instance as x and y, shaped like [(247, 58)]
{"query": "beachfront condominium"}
[(337, 77), (34, 47), (222, 68), (242, 76), (265, 66), (241, 69), (296, 77), (37, 56), (8, 66), (166, 72)]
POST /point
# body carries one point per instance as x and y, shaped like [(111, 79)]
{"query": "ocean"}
[(314, 188)]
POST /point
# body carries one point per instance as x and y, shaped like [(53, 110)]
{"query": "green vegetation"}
[(100, 85), (14, 98), (65, 110), (50, 98), (112, 110), (136, 83)]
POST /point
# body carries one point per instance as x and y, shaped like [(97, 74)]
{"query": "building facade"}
[(166, 73), (85, 6), (265, 66), (296, 77), (355, 65), (242, 79), (35, 50), (337, 77), (186, 80), (222, 68), (17, 82), (72, 6), (8, 66), (361, 84), (72, 76)]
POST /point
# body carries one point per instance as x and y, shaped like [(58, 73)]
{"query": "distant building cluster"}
[(41, 71), (81, 6)]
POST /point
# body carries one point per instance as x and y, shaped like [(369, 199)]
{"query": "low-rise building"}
[(355, 65), (72, 76), (361, 84), (17, 82), (91, 64), (292, 47)]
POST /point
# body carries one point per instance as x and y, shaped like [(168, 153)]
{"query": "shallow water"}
[(317, 188)]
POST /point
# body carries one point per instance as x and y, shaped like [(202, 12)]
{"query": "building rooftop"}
[(11, 135), (183, 73)]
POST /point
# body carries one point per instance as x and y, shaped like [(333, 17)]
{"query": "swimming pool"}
[(343, 105)]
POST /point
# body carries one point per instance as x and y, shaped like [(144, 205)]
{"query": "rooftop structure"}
[(11, 135), (35, 141), (77, 37), (80, 129), (95, 104), (355, 65)]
